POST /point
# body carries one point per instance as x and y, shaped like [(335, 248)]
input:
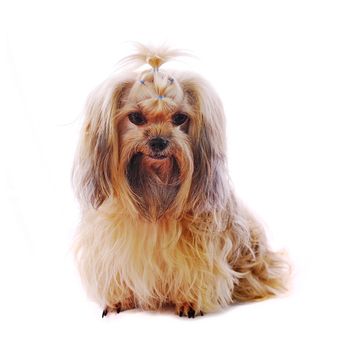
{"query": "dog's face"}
[(155, 143), (155, 132)]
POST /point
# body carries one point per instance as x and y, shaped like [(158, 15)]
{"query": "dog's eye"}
[(136, 118), (179, 119)]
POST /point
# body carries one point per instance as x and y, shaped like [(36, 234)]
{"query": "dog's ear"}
[(97, 154), (210, 183)]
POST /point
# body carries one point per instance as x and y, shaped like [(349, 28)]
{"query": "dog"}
[(161, 225)]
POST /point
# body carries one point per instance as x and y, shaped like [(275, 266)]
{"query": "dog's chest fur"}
[(151, 260)]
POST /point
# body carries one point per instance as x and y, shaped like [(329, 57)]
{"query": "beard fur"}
[(155, 186)]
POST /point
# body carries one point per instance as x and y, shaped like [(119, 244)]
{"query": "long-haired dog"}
[(160, 222)]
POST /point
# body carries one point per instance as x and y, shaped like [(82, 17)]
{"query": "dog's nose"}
[(158, 144)]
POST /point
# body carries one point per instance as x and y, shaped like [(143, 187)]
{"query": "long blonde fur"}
[(171, 231)]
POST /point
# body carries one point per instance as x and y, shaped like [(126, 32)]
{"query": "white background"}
[(283, 71)]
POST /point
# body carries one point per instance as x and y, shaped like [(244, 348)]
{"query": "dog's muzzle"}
[(158, 147)]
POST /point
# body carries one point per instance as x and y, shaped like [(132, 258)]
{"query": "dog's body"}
[(161, 224)]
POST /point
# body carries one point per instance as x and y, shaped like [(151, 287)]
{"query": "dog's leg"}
[(264, 273)]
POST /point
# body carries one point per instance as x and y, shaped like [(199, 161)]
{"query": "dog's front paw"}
[(117, 308), (108, 309), (188, 311)]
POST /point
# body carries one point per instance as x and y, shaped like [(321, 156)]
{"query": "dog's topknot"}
[(153, 56)]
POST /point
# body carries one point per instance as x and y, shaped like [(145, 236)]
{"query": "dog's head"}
[(154, 141)]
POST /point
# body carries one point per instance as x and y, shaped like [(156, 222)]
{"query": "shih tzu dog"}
[(160, 222)]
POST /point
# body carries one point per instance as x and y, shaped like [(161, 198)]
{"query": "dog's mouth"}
[(161, 167), (157, 156)]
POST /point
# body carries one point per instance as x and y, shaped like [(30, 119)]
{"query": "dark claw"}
[(104, 313), (191, 313), (181, 313), (201, 313), (118, 308)]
